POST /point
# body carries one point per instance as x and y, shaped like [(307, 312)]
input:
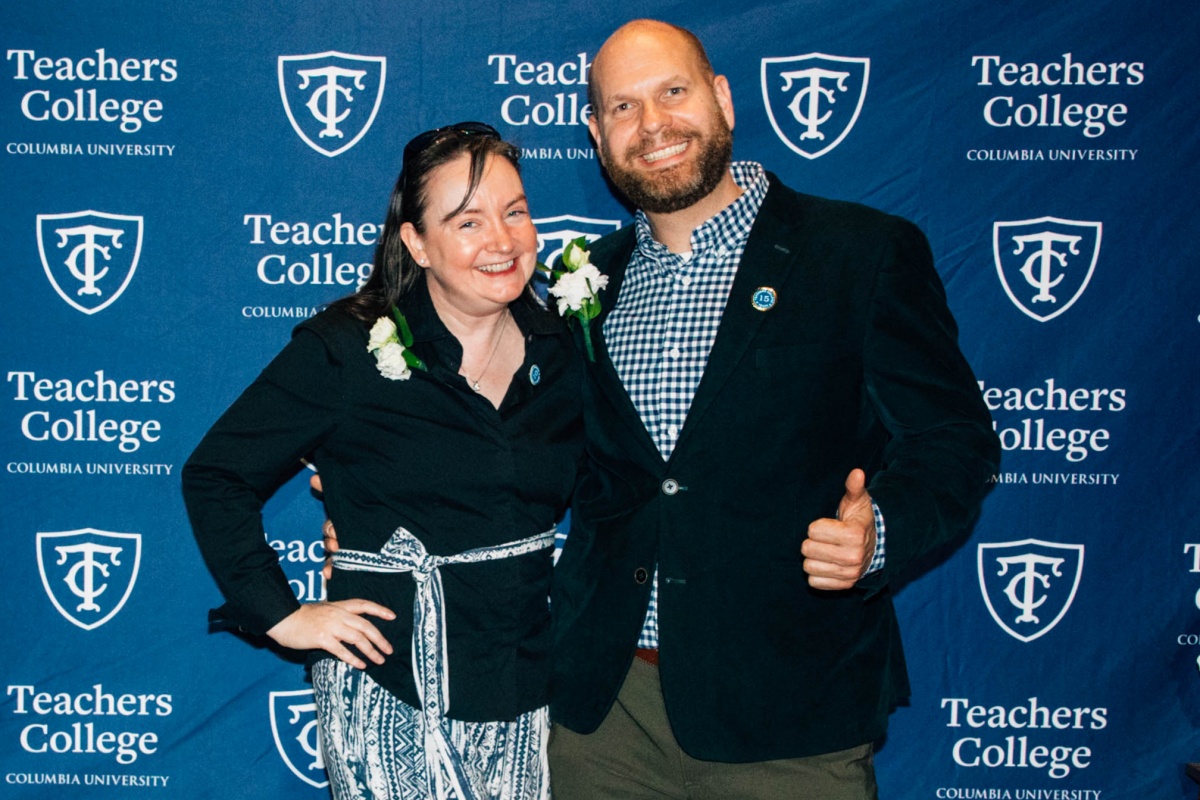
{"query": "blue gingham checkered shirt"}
[(662, 329)]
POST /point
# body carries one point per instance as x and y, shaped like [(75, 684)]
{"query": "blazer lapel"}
[(765, 262)]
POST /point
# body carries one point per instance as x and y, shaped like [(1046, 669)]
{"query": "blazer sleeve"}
[(941, 447), (252, 449)]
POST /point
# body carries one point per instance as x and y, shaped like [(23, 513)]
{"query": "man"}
[(779, 422)]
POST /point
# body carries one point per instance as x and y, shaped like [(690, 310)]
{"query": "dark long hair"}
[(395, 272)]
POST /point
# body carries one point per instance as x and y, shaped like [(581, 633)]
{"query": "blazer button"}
[(670, 486), (640, 576)]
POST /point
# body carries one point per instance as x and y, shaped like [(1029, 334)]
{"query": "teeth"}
[(666, 152), (496, 267)]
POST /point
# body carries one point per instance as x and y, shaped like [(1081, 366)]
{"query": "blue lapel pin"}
[(764, 298)]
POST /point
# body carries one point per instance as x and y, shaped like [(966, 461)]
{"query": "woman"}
[(441, 406)]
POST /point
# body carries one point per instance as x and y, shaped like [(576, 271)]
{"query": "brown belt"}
[(647, 655)]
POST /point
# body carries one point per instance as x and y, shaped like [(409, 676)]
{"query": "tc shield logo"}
[(1045, 263), (1029, 585), (297, 737), (331, 98), (554, 233), (88, 573), (89, 256), (814, 100)]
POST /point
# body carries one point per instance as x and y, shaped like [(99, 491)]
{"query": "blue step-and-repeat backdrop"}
[(183, 183)]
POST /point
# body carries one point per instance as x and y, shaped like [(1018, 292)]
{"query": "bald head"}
[(662, 121), (645, 36)]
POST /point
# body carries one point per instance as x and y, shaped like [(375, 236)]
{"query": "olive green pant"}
[(633, 755)]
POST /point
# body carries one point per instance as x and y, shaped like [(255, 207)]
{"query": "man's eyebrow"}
[(672, 80)]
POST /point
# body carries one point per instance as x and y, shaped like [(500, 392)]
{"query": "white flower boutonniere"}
[(389, 342), (577, 287)]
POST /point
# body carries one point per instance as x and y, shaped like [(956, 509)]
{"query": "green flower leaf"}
[(406, 337)]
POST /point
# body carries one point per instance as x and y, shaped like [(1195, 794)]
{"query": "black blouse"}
[(426, 453)]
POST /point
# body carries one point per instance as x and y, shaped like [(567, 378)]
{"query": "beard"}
[(678, 187)]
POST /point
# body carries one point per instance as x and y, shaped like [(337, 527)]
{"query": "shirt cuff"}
[(877, 559)]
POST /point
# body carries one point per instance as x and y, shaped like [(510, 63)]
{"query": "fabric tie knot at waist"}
[(404, 552)]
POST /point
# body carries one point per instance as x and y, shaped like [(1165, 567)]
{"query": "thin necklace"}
[(474, 384)]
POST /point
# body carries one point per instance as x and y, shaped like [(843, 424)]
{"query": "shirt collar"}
[(530, 315), (729, 227), (418, 310)]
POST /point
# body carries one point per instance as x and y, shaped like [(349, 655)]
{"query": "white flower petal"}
[(382, 332), (580, 283), (390, 361), (572, 289)]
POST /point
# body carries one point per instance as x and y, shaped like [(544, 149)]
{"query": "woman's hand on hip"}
[(333, 626)]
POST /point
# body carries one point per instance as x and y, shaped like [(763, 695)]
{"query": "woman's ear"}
[(415, 244)]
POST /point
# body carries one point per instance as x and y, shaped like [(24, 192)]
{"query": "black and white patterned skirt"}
[(373, 745)]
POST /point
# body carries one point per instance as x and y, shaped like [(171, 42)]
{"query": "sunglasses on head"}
[(423, 141)]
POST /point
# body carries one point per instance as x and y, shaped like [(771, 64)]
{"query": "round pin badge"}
[(535, 375), (764, 298)]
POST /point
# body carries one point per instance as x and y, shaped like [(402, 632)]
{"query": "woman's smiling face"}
[(481, 257)]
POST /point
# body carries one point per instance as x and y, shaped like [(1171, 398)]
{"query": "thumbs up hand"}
[(838, 551)]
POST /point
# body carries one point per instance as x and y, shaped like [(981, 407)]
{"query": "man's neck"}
[(674, 230)]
